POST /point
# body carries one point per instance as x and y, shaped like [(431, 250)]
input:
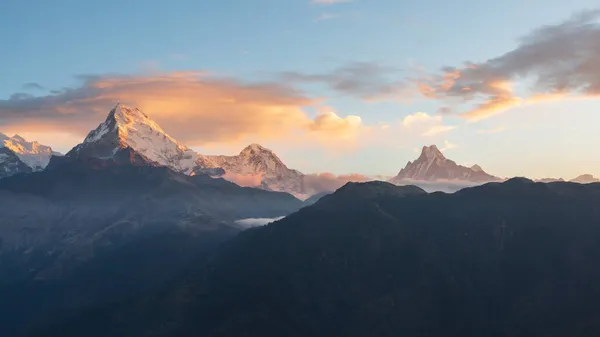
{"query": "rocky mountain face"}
[(433, 166), (128, 134), (11, 164), (260, 167), (503, 259)]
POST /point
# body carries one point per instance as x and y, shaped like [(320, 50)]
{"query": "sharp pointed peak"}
[(256, 148), (123, 110), (432, 151), (18, 138), (476, 168)]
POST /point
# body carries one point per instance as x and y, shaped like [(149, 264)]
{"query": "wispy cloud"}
[(327, 182), (448, 146), (256, 222), (561, 59), (494, 130), (431, 125), (33, 86), (365, 80), (420, 118), (437, 129), (326, 16), (328, 2)]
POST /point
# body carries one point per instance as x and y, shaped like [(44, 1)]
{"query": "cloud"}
[(33, 86), (365, 80), (420, 118), (448, 146), (327, 182), (246, 180), (329, 122), (437, 129), (256, 222), (560, 60), (326, 16), (494, 130), (328, 2), (384, 126), (431, 125), (193, 107)]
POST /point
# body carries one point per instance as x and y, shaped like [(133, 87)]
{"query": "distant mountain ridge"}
[(432, 165), (582, 179), (21, 156), (585, 179)]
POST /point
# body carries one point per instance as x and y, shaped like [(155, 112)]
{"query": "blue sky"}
[(54, 43)]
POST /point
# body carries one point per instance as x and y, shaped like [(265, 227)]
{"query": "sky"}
[(332, 86)]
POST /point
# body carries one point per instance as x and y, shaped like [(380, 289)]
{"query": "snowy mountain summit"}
[(33, 154), (433, 166), (129, 129), (130, 135), (259, 167)]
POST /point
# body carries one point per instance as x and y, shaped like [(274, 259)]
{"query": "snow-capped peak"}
[(259, 153), (127, 127), (258, 166), (33, 154)]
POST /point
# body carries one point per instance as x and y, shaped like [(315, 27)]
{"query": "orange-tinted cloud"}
[(193, 107), (561, 59), (328, 122), (429, 125), (327, 182), (246, 180)]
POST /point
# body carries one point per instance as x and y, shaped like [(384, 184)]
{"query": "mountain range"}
[(129, 135), (130, 130), (515, 259)]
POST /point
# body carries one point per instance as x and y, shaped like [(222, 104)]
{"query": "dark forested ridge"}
[(80, 235), (504, 259)]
